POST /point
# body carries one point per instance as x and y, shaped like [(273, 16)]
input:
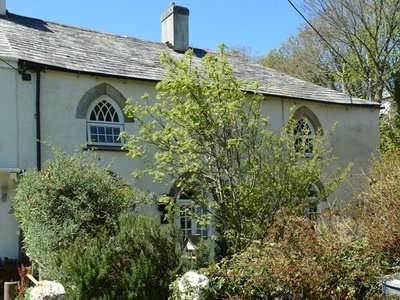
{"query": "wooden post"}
[(9, 290)]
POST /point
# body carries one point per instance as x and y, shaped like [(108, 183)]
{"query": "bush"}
[(344, 256), (301, 263), (71, 197), (377, 207), (139, 262)]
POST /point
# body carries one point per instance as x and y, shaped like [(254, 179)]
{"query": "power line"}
[(323, 39)]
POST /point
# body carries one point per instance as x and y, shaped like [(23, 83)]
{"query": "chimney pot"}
[(175, 27)]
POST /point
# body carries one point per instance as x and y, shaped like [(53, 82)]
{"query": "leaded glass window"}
[(303, 132), (104, 123)]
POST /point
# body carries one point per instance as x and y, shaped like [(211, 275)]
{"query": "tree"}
[(359, 43), (205, 133), (71, 197), (246, 52), (304, 57), (370, 29)]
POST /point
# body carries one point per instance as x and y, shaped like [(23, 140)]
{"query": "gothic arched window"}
[(105, 122), (303, 132)]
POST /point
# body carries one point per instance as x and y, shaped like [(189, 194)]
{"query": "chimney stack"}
[(2, 7), (175, 27)]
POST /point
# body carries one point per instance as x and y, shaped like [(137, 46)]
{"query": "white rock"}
[(48, 290), (193, 285)]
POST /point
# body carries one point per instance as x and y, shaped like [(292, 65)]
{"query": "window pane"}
[(303, 142), (93, 116), (116, 131), (104, 133)]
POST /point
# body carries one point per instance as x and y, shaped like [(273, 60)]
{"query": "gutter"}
[(33, 65)]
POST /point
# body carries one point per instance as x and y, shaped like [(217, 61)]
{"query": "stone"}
[(193, 286), (48, 290)]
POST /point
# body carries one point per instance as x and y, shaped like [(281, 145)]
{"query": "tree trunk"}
[(397, 91)]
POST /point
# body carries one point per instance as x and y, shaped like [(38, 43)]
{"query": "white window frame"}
[(187, 222), (105, 124)]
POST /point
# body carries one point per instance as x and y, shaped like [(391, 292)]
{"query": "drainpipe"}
[(37, 116)]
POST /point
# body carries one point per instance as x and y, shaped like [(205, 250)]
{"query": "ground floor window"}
[(187, 219)]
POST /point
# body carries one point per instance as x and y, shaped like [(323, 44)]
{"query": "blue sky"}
[(261, 24)]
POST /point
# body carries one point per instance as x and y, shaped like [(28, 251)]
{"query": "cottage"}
[(69, 85)]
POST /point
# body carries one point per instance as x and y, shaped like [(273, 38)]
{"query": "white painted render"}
[(356, 136)]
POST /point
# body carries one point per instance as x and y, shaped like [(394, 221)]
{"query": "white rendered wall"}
[(356, 136)]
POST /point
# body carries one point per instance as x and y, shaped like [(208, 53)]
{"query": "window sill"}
[(104, 148)]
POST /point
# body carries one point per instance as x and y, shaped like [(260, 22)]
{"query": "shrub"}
[(302, 264), (344, 256), (377, 207), (71, 197), (138, 262)]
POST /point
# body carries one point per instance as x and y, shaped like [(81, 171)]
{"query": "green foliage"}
[(342, 256), (390, 131), (208, 135), (353, 47), (377, 207), (304, 56), (70, 197), (301, 264), (138, 262)]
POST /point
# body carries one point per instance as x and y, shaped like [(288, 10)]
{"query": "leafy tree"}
[(71, 197), (370, 29), (206, 134), (356, 47), (305, 57)]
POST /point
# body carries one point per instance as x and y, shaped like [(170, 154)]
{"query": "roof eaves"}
[(358, 102), (44, 66)]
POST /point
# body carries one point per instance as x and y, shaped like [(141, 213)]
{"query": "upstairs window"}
[(307, 125), (104, 123), (304, 132)]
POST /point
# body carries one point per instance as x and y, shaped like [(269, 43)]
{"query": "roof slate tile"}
[(82, 50)]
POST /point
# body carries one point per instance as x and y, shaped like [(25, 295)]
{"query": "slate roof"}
[(76, 49)]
